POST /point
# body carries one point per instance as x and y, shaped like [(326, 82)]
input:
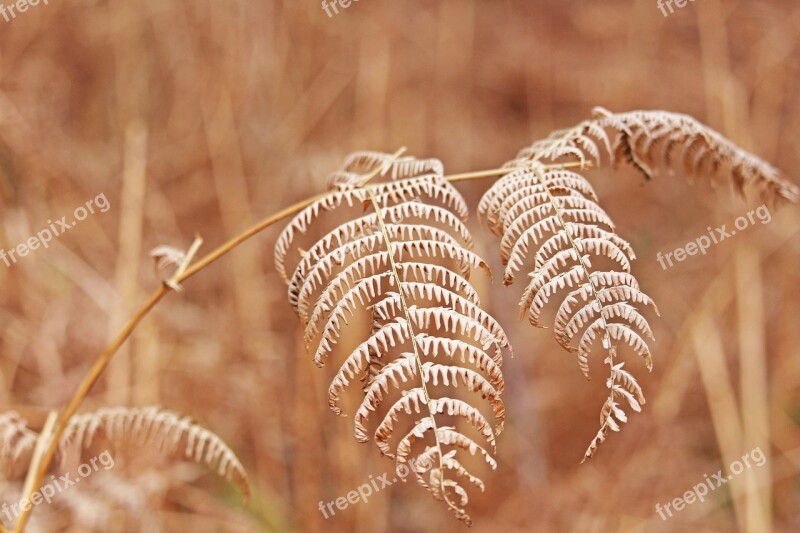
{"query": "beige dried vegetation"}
[(387, 293)]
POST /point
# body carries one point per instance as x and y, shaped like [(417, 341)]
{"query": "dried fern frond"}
[(358, 164), (16, 439), (155, 427), (144, 427), (165, 256), (434, 188), (552, 216), (405, 268), (659, 139)]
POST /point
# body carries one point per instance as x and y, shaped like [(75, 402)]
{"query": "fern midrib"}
[(607, 332), (578, 254), (413, 337)]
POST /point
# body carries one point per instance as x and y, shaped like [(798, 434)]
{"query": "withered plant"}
[(386, 293)]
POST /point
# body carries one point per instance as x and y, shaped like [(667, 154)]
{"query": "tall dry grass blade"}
[(678, 376), (717, 383), (754, 385), (129, 237), (45, 436)]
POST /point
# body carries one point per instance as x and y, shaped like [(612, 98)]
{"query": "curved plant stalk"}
[(105, 358), (185, 272)]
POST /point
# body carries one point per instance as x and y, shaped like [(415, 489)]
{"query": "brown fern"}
[(144, 427), (553, 216), (659, 139), (405, 266), (16, 440)]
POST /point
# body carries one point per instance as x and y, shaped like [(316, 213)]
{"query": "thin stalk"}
[(587, 273), (173, 282), (467, 176), (377, 170), (413, 337), (105, 357), (41, 442), (252, 231), (84, 388), (607, 332)]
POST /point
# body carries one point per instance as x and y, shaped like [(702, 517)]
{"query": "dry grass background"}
[(199, 116)]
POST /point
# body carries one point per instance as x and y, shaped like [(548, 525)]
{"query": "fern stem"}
[(578, 254), (396, 276), (413, 337), (607, 331), (495, 172), (379, 169), (47, 431), (252, 231), (84, 388), (105, 357), (173, 283)]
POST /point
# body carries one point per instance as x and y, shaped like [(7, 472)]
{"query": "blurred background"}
[(201, 117)]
